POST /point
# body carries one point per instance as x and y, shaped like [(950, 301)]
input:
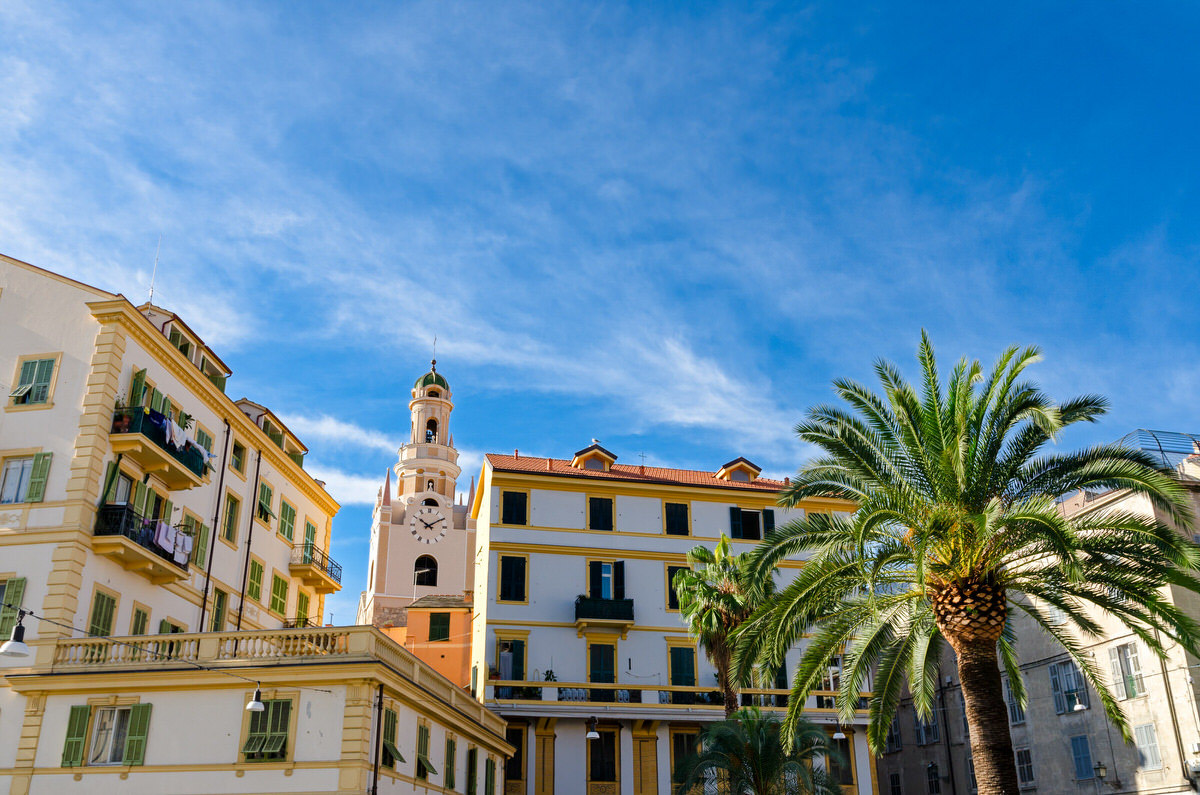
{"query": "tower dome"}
[(431, 378)]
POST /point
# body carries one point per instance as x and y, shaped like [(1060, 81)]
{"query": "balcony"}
[(614, 614), (316, 569), (300, 622), (135, 435), (635, 697), (123, 535)]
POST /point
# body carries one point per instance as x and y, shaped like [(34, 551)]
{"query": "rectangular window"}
[(1126, 671), (1016, 713), (1146, 739), (141, 621), (1066, 684), (14, 482), (602, 757), (677, 519), (301, 608), (606, 579), (894, 784), (203, 439), (841, 763), (933, 779), (33, 382), (265, 497), (489, 776), (1081, 755), (254, 583), (927, 731), (600, 513), (750, 525), (439, 627), (103, 607), (672, 594), (472, 771), (514, 766), (287, 520), (279, 595), (512, 578), (310, 534), (237, 458), (514, 507), (229, 529), (682, 664), (391, 754), (118, 735), (449, 764), (602, 669), (1025, 767), (425, 767), (683, 745), (892, 743), (267, 737), (220, 603)]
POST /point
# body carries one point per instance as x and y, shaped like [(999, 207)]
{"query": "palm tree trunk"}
[(722, 661), (987, 717)]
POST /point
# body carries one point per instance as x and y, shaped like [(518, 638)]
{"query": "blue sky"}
[(663, 226)]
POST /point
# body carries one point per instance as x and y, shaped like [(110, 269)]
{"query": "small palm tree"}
[(749, 755), (716, 594), (957, 531)]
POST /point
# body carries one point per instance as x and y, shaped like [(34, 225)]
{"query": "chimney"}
[(547, 464), (516, 453)]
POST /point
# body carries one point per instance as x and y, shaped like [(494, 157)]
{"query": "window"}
[(287, 519), (267, 737), (1066, 683), (33, 382), (122, 489), (514, 507), (472, 771), (606, 579), (429, 486), (237, 458), (12, 591), (514, 766), (676, 519), (449, 764), (232, 507), (600, 513), (747, 525), (424, 767), (1025, 767), (892, 742), (265, 496), (118, 735), (841, 763), (682, 664), (1016, 713), (672, 594), (1126, 671), (439, 627), (602, 669), (512, 578), (279, 595), (310, 534), (1146, 739), (933, 779), (141, 621), (203, 439), (683, 745), (391, 754), (103, 607), (301, 609), (14, 483), (894, 784), (220, 603), (254, 582), (431, 429), (971, 782), (425, 571), (510, 661), (489, 776), (927, 731), (1081, 755), (602, 757)]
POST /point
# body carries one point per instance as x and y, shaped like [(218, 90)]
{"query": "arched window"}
[(425, 571), (434, 393), (430, 501), (429, 486), (431, 432)]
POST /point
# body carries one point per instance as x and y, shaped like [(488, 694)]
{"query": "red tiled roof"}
[(625, 472)]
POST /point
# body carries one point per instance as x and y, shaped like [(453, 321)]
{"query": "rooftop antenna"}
[(154, 273), (643, 457)]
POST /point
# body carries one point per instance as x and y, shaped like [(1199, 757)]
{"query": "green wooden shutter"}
[(37, 479), (136, 387), (14, 592), (619, 579), (184, 419), (110, 482), (167, 508), (448, 764), (472, 771), (164, 627), (76, 733), (489, 777), (28, 372), (287, 519), (140, 494), (141, 620), (768, 520), (310, 534), (254, 584), (683, 670), (302, 606), (595, 579), (518, 660), (102, 615), (156, 400), (200, 545), (735, 522), (135, 739)]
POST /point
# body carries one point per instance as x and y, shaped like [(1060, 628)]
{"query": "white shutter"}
[(1135, 671), (1114, 660)]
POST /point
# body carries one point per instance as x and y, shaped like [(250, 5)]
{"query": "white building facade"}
[(575, 619)]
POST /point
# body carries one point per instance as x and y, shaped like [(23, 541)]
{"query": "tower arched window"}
[(430, 501), (431, 432), (425, 571), (434, 393), (429, 485)]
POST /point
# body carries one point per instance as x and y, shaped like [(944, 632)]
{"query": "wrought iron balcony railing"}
[(136, 420), (587, 608), (312, 555), (122, 520)]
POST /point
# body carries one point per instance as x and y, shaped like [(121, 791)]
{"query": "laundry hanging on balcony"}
[(164, 536)]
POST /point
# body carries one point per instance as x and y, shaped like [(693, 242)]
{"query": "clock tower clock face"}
[(428, 524)]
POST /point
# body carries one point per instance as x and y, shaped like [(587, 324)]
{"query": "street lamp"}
[(1100, 770), (15, 646), (592, 734)]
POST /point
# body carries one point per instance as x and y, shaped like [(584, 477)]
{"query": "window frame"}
[(11, 458), (522, 752), (443, 637), (1021, 780), (687, 509), (615, 731), (287, 594), (612, 500), (10, 403), (528, 507), (230, 522), (263, 483), (289, 747), (500, 556), (98, 590), (233, 457), (289, 536), (262, 572), (1075, 769), (1143, 764), (669, 592)]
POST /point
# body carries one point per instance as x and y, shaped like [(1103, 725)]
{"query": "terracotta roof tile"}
[(626, 472)]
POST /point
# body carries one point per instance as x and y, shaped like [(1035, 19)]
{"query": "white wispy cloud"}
[(347, 488), (338, 433)]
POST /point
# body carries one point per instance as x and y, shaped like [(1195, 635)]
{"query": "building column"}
[(357, 724), (27, 743), (543, 734), (645, 757)]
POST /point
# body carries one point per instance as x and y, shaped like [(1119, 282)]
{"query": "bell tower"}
[(428, 466)]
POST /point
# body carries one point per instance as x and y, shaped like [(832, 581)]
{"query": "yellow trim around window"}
[(49, 402), (524, 555)]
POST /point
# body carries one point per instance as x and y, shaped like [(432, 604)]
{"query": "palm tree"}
[(957, 532), (716, 594), (749, 755)]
